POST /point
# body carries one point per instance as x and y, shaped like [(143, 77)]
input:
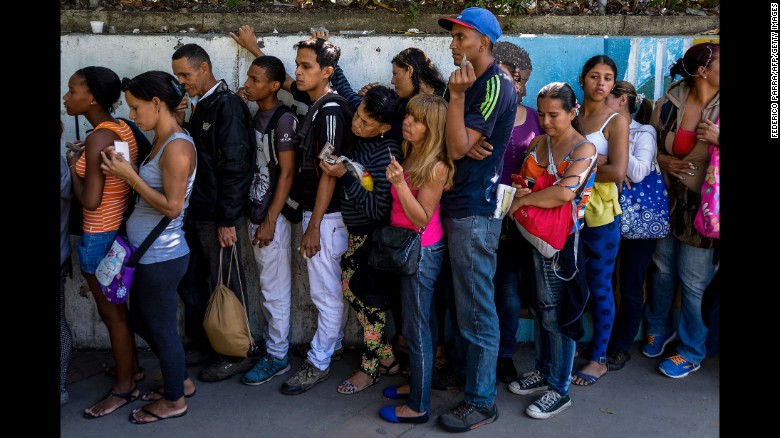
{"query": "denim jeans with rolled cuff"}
[(554, 350)]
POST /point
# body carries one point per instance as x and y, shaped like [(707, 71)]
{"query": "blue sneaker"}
[(677, 367), (656, 344), (265, 369)]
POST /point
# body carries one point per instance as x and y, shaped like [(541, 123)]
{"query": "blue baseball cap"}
[(479, 19)]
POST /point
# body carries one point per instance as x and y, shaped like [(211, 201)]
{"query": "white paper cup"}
[(97, 26)]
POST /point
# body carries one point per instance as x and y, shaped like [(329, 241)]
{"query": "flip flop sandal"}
[(157, 417), (126, 396), (159, 392), (589, 379)]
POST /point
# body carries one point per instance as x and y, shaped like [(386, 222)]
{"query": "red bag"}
[(546, 228)]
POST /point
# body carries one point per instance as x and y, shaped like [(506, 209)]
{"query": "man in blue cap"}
[(480, 117)]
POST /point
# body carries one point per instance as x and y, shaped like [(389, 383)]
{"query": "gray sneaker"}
[(307, 376), (223, 369), (467, 417), (529, 383)]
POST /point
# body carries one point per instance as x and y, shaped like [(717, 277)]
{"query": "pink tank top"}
[(433, 231)]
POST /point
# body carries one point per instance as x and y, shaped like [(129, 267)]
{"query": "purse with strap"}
[(115, 272), (645, 207), (396, 249), (548, 228)]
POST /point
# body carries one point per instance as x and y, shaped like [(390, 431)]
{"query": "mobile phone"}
[(517, 178), (122, 148), (392, 157), (463, 61)]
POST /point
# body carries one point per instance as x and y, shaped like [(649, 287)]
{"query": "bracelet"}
[(136, 183)]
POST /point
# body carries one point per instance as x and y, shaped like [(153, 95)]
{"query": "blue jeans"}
[(513, 279), (693, 267), (554, 350), (507, 309), (417, 298), (635, 256), (92, 247), (472, 242)]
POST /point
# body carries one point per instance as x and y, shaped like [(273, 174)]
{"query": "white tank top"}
[(598, 139)]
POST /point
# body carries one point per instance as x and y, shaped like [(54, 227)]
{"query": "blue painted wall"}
[(643, 61)]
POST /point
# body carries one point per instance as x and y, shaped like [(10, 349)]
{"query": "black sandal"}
[(387, 370), (126, 396)]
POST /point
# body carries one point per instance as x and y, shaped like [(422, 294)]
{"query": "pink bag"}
[(707, 220)]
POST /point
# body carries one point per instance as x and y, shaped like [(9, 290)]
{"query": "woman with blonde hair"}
[(418, 183)]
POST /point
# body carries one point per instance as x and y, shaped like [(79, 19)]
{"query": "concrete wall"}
[(642, 60)]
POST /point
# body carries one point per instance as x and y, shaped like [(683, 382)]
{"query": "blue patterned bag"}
[(645, 207)]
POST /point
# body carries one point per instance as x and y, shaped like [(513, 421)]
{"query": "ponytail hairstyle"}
[(156, 83), (699, 55), (564, 93), (637, 103)]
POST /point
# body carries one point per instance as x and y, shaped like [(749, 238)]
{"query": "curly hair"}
[(513, 56)]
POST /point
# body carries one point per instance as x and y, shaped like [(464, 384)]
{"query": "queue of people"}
[(429, 156)]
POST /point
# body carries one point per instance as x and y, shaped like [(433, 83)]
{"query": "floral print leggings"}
[(372, 319)]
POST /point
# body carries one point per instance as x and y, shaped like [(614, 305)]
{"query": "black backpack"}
[(263, 185), (304, 150)]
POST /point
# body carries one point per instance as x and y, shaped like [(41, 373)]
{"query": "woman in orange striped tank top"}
[(92, 93)]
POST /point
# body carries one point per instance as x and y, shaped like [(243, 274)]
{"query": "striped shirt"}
[(116, 192), (360, 206)]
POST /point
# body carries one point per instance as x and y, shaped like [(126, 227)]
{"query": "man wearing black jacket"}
[(220, 125)]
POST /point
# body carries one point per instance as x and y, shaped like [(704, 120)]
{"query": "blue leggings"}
[(153, 306), (601, 247)]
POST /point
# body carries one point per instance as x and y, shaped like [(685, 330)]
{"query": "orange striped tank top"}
[(116, 192)]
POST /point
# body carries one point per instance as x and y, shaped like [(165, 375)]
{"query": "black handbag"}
[(396, 249)]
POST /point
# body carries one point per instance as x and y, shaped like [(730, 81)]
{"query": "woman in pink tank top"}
[(418, 183)]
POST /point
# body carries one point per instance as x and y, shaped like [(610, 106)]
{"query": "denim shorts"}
[(92, 248)]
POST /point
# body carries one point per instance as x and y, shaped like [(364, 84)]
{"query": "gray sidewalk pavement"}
[(636, 401)]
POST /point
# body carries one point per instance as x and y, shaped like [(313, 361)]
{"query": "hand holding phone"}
[(518, 179)]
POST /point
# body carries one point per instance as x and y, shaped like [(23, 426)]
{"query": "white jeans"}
[(273, 267), (325, 287)]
